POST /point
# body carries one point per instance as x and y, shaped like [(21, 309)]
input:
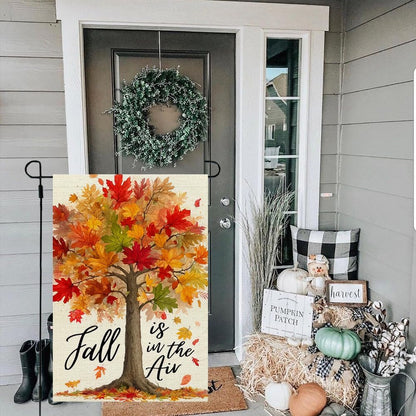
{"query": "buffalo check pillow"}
[(339, 247)]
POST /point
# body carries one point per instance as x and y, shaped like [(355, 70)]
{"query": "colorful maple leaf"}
[(200, 255), (64, 289), (164, 272), (160, 240), (150, 282), (171, 258), (94, 223), (60, 213), (189, 238), (184, 333), (130, 210), (196, 229), (82, 236), (119, 191), (72, 384), (111, 299), (60, 247), (176, 219), (195, 361), (101, 260), (81, 302), (117, 240), (177, 320), (144, 297), (187, 293), (139, 189), (136, 232), (151, 230), (99, 371), (75, 315), (195, 277), (140, 256), (100, 289), (162, 300), (128, 222)]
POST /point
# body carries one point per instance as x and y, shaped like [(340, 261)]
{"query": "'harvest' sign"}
[(347, 293), (287, 314)]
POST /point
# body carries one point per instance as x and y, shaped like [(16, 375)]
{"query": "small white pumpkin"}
[(277, 395), (293, 281), (294, 342), (307, 342)]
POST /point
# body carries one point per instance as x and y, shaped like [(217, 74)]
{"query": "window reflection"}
[(281, 126)]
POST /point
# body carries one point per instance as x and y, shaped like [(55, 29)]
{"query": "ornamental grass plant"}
[(264, 224)]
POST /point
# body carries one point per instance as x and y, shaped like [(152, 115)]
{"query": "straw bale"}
[(269, 358)]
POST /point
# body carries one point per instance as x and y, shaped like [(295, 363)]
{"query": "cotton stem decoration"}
[(389, 347), (263, 226)]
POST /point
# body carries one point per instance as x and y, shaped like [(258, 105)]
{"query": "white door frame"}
[(251, 22)]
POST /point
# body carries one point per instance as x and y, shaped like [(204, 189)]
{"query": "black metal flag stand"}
[(40, 196)]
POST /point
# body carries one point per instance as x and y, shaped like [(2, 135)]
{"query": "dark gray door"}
[(112, 56)]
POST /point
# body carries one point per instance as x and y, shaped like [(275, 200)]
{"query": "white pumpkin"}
[(294, 342), (293, 281), (277, 395), (307, 342)]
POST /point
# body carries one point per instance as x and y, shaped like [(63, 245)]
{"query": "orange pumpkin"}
[(309, 400)]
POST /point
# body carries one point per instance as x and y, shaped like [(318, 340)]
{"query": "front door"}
[(112, 56)]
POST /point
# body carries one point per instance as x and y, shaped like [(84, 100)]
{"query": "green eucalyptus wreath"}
[(152, 87)]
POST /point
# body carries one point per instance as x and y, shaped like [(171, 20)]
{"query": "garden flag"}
[(130, 287)]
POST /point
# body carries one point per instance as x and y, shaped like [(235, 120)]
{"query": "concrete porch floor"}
[(9, 408)]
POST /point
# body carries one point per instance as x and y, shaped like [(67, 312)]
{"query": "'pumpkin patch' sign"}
[(130, 287), (287, 314)]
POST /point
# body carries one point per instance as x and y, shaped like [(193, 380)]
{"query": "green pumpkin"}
[(335, 409), (338, 343)]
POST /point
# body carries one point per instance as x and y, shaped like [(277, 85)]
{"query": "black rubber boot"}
[(27, 359), (43, 350), (50, 366)]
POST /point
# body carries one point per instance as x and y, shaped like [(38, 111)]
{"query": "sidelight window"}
[(281, 126)]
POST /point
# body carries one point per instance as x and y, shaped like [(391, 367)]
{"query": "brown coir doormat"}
[(224, 396)]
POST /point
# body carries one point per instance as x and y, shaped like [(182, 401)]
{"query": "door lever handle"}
[(225, 223)]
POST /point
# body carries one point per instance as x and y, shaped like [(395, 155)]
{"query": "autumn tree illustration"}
[(124, 248)]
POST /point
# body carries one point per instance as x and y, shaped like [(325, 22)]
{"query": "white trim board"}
[(201, 13), (251, 22)]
